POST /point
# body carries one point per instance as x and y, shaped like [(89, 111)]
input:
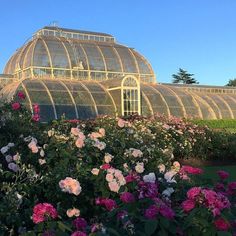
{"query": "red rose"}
[(221, 224)]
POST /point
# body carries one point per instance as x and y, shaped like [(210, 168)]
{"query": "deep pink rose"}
[(42, 211), (15, 106), (232, 186), (191, 170), (167, 212), (188, 205), (193, 192), (223, 174), (21, 95), (36, 108), (151, 212), (127, 197), (80, 223), (122, 214), (36, 117), (221, 224), (109, 204), (105, 166)]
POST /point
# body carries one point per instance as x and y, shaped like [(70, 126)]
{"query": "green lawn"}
[(210, 172), (228, 125)]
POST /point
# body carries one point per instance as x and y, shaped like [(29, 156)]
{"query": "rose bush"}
[(108, 176)]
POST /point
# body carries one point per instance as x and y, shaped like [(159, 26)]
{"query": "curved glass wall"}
[(61, 57), (88, 99)]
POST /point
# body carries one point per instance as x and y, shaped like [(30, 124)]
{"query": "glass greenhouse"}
[(83, 74)]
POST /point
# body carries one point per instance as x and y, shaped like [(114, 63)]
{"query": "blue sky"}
[(196, 35)]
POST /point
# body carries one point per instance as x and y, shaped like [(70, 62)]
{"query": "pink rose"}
[(73, 212), (102, 132), (70, 185), (137, 153), (109, 177), (36, 117), (33, 147), (75, 131), (121, 123), (193, 192), (188, 205), (79, 143), (15, 106), (114, 186), (221, 224), (42, 212)]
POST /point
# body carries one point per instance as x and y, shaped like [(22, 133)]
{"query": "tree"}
[(232, 82), (183, 77)]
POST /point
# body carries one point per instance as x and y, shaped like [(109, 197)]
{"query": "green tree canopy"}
[(232, 82), (183, 77)]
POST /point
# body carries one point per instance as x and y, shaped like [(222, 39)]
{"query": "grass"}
[(228, 125), (211, 172)]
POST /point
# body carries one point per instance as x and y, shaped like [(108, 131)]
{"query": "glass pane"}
[(58, 54), (111, 58), (40, 57), (65, 111), (94, 57), (142, 64), (127, 60)]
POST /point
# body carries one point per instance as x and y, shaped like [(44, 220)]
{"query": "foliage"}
[(107, 176), (184, 77), (232, 82)]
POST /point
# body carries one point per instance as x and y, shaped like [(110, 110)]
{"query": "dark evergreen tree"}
[(183, 77), (232, 82)]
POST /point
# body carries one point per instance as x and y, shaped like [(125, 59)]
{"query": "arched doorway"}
[(130, 96)]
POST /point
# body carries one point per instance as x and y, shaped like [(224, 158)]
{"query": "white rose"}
[(42, 153), (42, 161), (95, 171), (4, 149), (150, 178), (108, 157), (169, 176), (139, 167), (10, 145), (168, 192)]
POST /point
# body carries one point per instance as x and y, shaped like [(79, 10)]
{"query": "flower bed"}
[(108, 176)]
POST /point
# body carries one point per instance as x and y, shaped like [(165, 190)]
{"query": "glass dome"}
[(59, 56)]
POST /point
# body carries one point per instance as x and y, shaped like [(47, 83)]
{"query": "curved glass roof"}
[(88, 99), (61, 57)]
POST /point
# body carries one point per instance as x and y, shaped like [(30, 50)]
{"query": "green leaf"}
[(150, 227), (63, 227), (113, 232), (164, 222)]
